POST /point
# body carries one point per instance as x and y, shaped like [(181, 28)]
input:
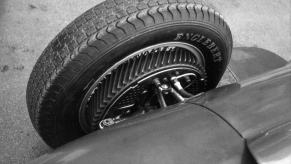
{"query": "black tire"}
[(104, 35)]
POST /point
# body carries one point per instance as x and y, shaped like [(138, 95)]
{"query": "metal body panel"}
[(184, 134), (274, 147), (248, 62), (255, 107)]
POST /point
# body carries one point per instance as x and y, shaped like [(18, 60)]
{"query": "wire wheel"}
[(149, 79)]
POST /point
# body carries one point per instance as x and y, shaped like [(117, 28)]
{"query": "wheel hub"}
[(149, 79)]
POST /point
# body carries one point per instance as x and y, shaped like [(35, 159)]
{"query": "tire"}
[(104, 35)]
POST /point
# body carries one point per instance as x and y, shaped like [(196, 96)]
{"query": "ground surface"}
[(27, 27)]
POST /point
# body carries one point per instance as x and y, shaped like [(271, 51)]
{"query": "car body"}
[(248, 120)]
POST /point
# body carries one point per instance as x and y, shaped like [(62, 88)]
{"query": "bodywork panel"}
[(274, 146), (248, 62), (255, 107), (181, 134)]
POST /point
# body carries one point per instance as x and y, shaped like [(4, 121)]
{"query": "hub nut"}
[(165, 86)]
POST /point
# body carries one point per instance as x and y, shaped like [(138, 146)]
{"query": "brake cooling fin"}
[(112, 84)]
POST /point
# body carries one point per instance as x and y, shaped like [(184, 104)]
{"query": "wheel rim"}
[(151, 78)]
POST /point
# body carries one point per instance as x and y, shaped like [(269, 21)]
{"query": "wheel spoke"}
[(165, 89), (161, 99), (180, 89), (178, 86), (160, 95), (177, 95)]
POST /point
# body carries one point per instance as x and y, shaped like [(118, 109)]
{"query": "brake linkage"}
[(181, 95)]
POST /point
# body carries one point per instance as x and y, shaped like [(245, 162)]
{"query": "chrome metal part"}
[(106, 122), (178, 86), (160, 90), (109, 122), (178, 91), (177, 95)]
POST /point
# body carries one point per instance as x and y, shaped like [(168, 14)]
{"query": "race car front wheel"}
[(125, 58)]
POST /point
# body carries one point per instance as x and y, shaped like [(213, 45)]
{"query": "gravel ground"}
[(27, 27)]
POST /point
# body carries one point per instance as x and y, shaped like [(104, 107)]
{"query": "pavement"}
[(26, 27)]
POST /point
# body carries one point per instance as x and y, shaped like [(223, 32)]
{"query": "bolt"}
[(157, 81), (187, 78), (165, 79), (164, 86)]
